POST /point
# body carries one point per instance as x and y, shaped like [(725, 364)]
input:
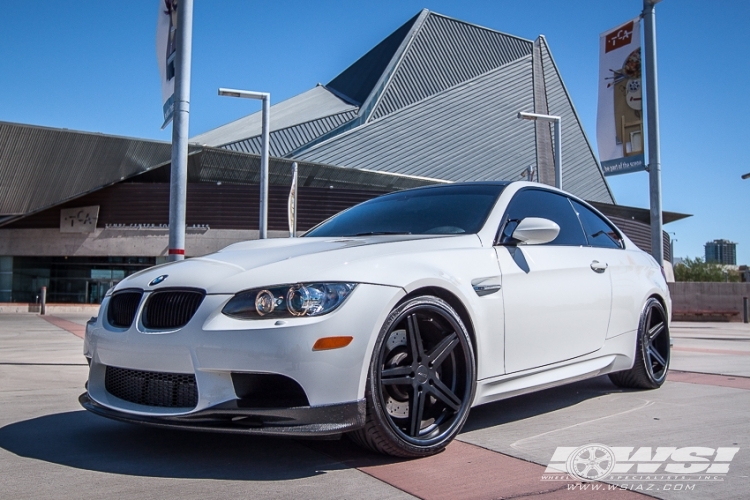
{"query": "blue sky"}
[(91, 66)]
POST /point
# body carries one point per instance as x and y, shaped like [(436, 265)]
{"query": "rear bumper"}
[(231, 417)]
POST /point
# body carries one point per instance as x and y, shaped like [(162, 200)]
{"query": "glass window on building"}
[(6, 278), (68, 279)]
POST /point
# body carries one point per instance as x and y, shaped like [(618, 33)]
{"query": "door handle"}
[(599, 267)]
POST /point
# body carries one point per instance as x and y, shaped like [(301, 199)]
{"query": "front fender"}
[(453, 273)]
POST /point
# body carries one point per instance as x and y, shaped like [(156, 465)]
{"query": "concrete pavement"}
[(51, 448), (712, 348)]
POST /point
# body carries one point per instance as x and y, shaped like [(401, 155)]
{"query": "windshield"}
[(451, 209)]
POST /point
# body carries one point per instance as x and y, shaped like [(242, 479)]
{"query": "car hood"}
[(289, 260)]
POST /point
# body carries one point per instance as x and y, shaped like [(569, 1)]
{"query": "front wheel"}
[(421, 380), (652, 351)]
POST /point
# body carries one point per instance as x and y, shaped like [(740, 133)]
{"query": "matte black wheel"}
[(421, 381), (652, 351)]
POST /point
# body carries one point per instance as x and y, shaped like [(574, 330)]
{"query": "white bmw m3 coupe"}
[(388, 321)]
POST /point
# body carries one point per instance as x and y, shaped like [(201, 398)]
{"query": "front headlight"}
[(286, 301)]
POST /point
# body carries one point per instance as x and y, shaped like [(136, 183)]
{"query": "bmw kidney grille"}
[(170, 309), (122, 308)]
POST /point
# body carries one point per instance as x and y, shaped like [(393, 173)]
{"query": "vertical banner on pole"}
[(619, 127), (166, 28)]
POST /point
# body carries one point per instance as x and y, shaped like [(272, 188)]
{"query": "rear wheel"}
[(421, 380), (652, 351)]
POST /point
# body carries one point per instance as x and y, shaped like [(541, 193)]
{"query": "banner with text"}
[(619, 126), (166, 29)]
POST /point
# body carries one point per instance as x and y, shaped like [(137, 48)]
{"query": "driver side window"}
[(548, 205)]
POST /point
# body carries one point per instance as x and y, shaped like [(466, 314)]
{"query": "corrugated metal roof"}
[(440, 117), (286, 140), (309, 106), (469, 132), (444, 53), (582, 174), (221, 165), (41, 167), (446, 113), (358, 80)]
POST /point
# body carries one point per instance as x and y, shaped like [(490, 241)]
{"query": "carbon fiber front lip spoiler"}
[(230, 417)]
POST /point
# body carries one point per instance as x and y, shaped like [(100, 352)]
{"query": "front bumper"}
[(230, 417), (215, 348)]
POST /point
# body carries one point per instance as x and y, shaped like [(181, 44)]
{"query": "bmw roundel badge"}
[(158, 280)]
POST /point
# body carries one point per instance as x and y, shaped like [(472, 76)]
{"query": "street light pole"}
[(654, 154), (265, 97), (558, 140), (180, 131)]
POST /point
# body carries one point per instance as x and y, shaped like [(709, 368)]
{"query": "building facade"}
[(721, 252), (435, 102)]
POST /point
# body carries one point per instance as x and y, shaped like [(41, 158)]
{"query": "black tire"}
[(652, 351), (421, 381)]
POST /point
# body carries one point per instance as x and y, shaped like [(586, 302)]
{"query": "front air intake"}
[(170, 309), (171, 390), (268, 390), (122, 307)]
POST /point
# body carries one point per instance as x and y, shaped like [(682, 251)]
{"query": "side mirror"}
[(535, 231)]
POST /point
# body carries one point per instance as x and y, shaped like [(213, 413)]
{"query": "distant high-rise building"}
[(721, 252)]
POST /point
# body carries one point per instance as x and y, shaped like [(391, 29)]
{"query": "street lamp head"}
[(536, 116), (228, 93), (247, 94), (746, 176)]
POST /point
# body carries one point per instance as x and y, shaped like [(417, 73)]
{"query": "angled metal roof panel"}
[(221, 165), (41, 167), (284, 141), (308, 106), (358, 80), (638, 214), (469, 132), (444, 53), (582, 175)]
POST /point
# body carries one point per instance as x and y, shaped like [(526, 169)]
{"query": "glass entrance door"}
[(97, 289)]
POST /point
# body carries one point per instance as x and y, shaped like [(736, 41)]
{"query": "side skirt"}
[(617, 353)]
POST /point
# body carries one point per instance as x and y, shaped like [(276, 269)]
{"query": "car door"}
[(607, 244), (557, 296)]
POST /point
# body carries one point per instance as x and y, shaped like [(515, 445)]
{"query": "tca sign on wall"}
[(79, 220)]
